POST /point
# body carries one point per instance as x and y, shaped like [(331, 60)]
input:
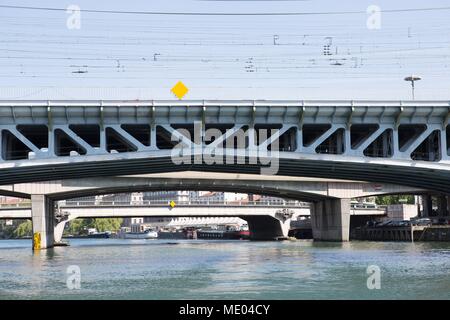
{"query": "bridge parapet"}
[(415, 131)]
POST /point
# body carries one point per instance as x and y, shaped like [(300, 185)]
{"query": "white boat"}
[(149, 234)]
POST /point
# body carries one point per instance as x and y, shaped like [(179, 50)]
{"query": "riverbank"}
[(407, 233)]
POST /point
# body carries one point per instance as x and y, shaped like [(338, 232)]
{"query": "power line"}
[(226, 13)]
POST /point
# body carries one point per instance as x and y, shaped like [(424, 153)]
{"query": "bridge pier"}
[(43, 219), (427, 206), (330, 220), (267, 227), (448, 205), (442, 205)]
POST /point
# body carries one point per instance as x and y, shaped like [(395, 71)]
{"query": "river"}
[(197, 269)]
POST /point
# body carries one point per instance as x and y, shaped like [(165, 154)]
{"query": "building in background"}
[(177, 196)]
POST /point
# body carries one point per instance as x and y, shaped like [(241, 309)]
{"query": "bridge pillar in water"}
[(442, 205), (268, 227), (330, 220), (42, 215), (427, 206), (448, 205)]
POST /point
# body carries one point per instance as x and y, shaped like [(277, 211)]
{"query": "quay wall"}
[(434, 233)]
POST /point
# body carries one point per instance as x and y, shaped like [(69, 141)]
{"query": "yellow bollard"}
[(36, 241)]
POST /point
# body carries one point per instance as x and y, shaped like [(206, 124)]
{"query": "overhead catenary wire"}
[(174, 13), (216, 51)]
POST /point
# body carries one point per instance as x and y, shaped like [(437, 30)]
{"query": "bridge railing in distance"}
[(159, 203), (20, 204)]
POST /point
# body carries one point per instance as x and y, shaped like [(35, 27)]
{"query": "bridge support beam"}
[(59, 229), (448, 205), (330, 220), (42, 214), (267, 227)]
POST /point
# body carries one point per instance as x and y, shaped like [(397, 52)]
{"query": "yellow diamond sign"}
[(172, 204), (179, 90)]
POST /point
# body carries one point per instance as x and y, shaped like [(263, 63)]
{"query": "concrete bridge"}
[(267, 221), (256, 213), (392, 146), (405, 143), (330, 208)]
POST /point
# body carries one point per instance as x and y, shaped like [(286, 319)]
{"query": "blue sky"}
[(136, 56)]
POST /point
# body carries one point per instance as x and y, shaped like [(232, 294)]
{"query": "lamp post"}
[(413, 79)]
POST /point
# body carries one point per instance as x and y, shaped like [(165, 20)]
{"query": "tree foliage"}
[(7, 231), (22, 228), (396, 199), (25, 229), (112, 224), (80, 226)]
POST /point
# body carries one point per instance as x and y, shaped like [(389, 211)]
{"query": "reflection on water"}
[(161, 269)]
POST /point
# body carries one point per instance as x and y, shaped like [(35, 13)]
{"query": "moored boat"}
[(148, 234), (100, 235), (223, 234)]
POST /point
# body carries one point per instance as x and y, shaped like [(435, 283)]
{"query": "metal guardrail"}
[(156, 203), (15, 205), (159, 203)]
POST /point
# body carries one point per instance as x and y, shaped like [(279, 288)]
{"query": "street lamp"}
[(413, 79)]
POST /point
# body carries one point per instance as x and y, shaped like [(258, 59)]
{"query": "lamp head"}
[(413, 78)]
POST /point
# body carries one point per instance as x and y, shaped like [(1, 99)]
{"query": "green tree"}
[(107, 224), (395, 199), (25, 229), (78, 226), (7, 231)]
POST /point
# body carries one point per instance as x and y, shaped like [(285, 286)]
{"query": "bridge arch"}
[(298, 188), (408, 174)]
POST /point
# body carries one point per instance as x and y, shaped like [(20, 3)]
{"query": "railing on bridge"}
[(202, 202), (21, 204), (164, 203)]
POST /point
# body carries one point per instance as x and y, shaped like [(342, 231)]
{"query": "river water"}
[(197, 269)]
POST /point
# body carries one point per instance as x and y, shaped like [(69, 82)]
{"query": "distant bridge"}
[(254, 212), (112, 209)]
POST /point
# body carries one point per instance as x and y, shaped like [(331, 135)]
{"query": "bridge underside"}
[(264, 223), (298, 188)]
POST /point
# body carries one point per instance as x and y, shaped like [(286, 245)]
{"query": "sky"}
[(232, 49)]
